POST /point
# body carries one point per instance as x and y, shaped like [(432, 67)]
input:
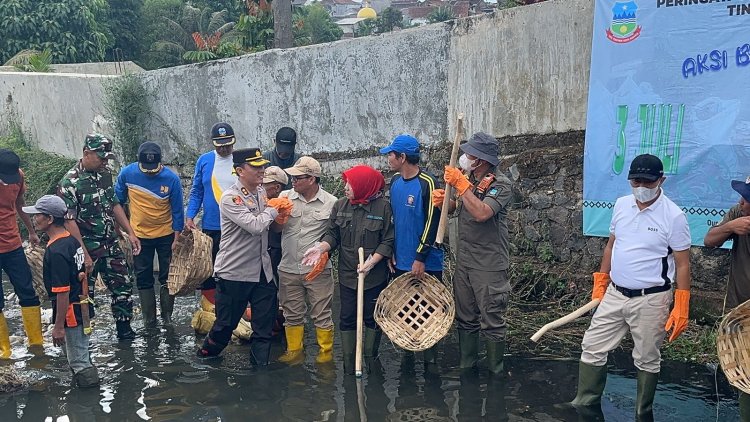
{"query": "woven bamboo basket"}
[(35, 258), (733, 346), (191, 263), (415, 313), (127, 248)]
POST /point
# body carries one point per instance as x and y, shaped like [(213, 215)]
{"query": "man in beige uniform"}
[(307, 224)]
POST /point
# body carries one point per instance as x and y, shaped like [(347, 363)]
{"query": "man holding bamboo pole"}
[(648, 250), (480, 282)]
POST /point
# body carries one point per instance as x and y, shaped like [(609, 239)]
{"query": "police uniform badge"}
[(237, 200), (492, 192), (244, 191)]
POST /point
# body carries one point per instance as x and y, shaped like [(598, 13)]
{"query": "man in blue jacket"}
[(155, 196), (213, 175)]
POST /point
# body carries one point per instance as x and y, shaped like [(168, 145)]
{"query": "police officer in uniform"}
[(243, 267), (480, 282), (93, 208)]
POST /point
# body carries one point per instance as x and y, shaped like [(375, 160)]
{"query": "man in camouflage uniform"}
[(93, 208)]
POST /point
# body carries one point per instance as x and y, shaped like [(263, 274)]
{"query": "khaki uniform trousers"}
[(293, 290), (645, 317), (481, 301)]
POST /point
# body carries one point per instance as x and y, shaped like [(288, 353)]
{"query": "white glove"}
[(312, 255), (367, 266)]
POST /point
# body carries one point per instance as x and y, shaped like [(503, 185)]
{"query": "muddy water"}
[(158, 378)]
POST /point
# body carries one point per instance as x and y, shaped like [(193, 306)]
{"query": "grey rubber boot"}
[(644, 399), (468, 344), (495, 354), (591, 380), (88, 377), (348, 345), (166, 301), (148, 307)]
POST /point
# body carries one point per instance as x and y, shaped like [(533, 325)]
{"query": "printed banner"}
[(668, 78)]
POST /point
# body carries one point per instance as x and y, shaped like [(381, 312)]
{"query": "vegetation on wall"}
[(128, 108)]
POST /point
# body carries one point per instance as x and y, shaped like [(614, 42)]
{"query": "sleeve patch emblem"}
[(237, 200)]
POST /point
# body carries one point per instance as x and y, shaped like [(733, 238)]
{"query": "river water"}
[(158, 378)]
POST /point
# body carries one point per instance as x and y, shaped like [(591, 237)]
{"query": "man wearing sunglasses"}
[(154, 194), (93, 208)]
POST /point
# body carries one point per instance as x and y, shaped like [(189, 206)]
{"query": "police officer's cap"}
[(250, 156)]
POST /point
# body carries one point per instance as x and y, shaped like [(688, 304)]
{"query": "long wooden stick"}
[(448, 188), (566, 319), (360, 312)]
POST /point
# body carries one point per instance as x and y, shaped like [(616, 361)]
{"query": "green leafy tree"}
[(72, 30), (440, 14), (194, 35), (255, 29), (125, 23), (318, 25), (365, 28), (389, 19)]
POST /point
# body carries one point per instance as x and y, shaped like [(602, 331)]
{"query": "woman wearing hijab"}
[(362, 218)]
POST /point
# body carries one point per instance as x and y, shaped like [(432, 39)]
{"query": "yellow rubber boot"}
[(4, 338), (325, 341), (294, 353), (32, 323)]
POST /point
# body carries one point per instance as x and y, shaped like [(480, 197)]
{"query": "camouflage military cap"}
[(99, 143)]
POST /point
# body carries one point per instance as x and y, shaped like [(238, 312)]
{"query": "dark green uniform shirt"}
[(484, 246), (369, 226), (90, 198), (738, 289)]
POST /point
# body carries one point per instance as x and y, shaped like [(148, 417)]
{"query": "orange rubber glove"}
[(280, 204), (678, 319), (318, 268), (437, 197), (601, 280), (457, 179), (283, 216)]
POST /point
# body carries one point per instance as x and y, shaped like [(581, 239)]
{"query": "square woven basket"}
[(35, 258), (415, 313), (733, 346), (191, 263)]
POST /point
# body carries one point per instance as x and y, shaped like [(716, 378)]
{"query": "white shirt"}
[(644, 239)]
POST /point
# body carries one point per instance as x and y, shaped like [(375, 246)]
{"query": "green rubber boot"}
[(371, 346), (348, 344), (468, 344), (148, 307), (591, 380), (430, 355), (495, 354), (744, 407), (166, 301), (644, 400)]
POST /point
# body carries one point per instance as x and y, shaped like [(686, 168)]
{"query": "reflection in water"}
[(157, 378)]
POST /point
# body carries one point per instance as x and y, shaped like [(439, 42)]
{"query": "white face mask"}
[(643, 194), (466, 164)]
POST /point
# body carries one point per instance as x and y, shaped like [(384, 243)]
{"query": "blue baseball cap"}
[(403, 144)]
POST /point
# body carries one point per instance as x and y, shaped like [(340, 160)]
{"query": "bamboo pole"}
[(448, 188), (360, 312), (565, 320)]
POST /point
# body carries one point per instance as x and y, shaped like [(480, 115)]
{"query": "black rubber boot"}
[(495, 355), (468, 344), (744, 400), (348, 345), (430, 355), (148, 307), (591, 380), (260, 353), (124, 331), (209, 349), (371, 347), (644, 400), (166, 301)]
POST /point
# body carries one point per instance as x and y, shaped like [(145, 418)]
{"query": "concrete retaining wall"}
[(519, 71)]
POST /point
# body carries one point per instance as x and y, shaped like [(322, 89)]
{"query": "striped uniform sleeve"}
[(432, 217)]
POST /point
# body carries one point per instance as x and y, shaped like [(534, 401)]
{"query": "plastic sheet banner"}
[(669, 78)]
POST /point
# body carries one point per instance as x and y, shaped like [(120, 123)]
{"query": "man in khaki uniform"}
[(307, 224), (480, 282)]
